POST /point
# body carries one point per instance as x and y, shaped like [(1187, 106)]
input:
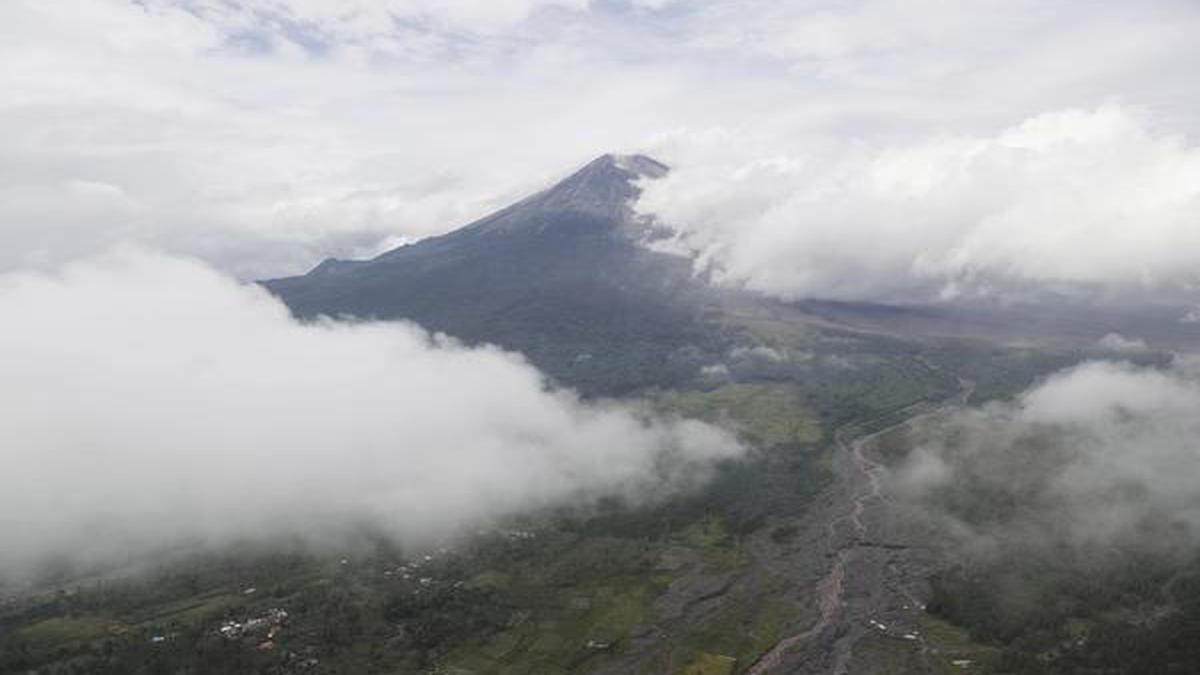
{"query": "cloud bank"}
[(265, 135), (1074, 200), (148, 401), (1099, 456)]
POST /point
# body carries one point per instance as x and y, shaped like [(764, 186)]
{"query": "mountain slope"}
[(560, 276)]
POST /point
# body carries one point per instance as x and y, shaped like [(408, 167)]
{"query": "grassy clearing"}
[(768, 414), (954, 651), (586, 623), (66, 629), (711, 664), (884, 655), (189, 611), (773, 326), (740, 631), (718, 549)]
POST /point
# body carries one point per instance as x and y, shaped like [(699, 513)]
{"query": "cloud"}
[(1091, 199), (148, 402), (363, 21), (1115, 342), (1006, 51), (757, 352), (1097, 455), (265, 135), (264, 161)]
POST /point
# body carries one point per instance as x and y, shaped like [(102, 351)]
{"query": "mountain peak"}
[(603, 188), (612, 176), (596, 199), (598, 195), (635, 165)]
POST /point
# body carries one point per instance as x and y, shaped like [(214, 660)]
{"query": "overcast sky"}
[(264, 135)]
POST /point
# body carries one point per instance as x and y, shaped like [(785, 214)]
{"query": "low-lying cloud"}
[(148, 401), (1115, 342), (1074, 200), (1104, 454)]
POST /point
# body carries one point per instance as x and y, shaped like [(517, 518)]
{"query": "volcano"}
[(564, 277)]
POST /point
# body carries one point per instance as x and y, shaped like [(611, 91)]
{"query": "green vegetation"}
[(766, 413), (1041, 613), (1035, 598), (739, 632), (1000, 373), (953, 650), (61, 629), (564, 595), (677, 585), (711, 664)]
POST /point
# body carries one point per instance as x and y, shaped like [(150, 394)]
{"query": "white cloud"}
[(1004, 51), (757, 352), (148, 401), (364, 21), (1098, 453), (264, 135), (263, 162), (1116, 342), (656, 4), (1094, 198)]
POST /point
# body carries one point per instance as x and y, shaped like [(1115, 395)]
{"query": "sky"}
[(265, 135)]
